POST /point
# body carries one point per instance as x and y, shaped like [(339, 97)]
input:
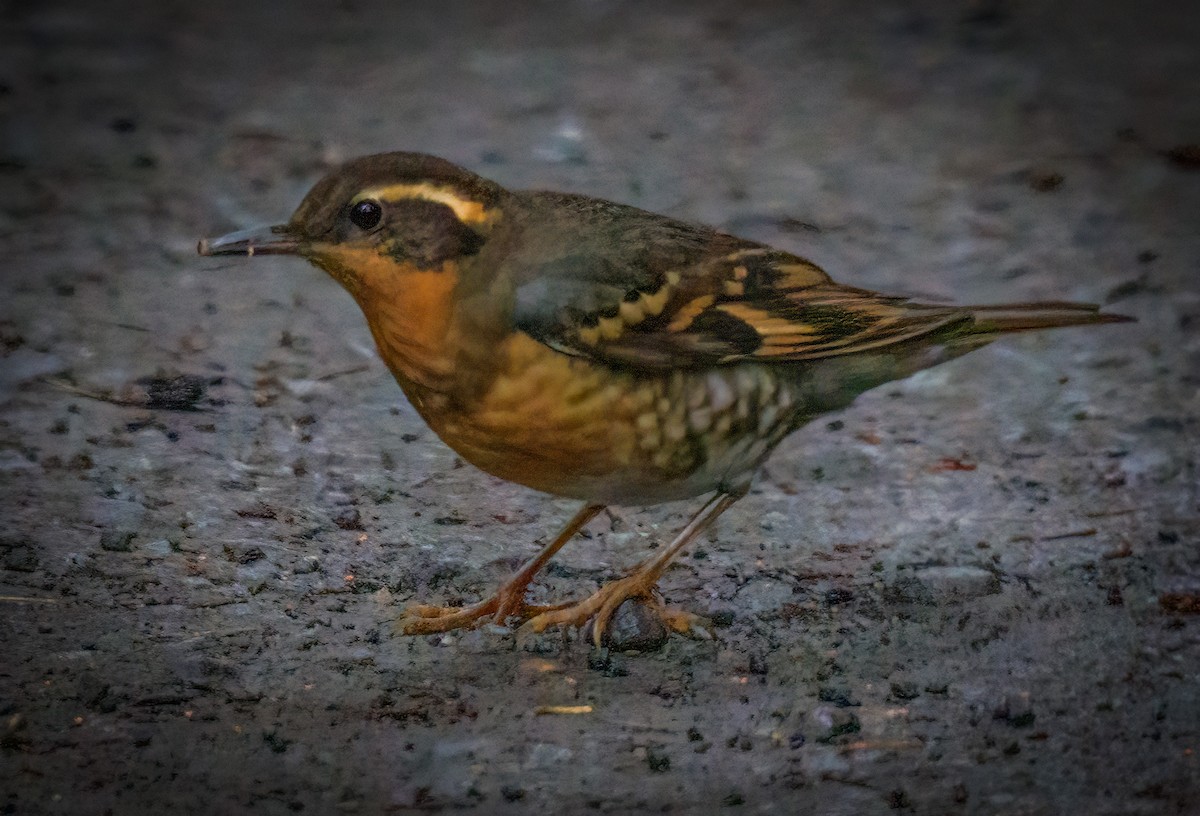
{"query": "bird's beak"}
[(276, 240)]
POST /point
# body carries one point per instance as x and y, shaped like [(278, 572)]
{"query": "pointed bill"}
[(274, 240)]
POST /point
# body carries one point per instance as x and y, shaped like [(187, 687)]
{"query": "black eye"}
[(366, 214)]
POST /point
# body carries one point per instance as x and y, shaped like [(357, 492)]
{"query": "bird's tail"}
[(836, 380), (1016, 317), (988, 322)]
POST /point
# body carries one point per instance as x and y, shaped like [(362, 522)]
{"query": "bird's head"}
[(377, 218)]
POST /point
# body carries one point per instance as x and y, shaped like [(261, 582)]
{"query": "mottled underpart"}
[(710, 427)]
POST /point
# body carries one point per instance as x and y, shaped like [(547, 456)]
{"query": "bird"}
[(605, 353)]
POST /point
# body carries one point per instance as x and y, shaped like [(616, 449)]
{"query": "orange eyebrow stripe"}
[(467, 210)]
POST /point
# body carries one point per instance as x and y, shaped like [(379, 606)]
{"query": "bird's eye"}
[(366, 214)]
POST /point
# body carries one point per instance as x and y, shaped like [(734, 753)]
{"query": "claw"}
[(600, 607), (422, 619)]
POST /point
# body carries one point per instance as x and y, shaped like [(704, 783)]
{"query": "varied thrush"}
[(598, 351)]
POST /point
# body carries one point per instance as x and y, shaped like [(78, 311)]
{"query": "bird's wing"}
[(674, 295)]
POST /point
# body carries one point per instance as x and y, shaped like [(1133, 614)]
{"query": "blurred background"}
[(975, 591)]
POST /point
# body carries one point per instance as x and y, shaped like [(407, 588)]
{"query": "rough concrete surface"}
[(975, 591)]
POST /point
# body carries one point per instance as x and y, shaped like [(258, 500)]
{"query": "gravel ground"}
[(976, 591)]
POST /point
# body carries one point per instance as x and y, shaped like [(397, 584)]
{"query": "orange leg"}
[(640, 583), (509, 599)]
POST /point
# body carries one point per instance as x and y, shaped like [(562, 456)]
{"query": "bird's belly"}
[(567, 426)]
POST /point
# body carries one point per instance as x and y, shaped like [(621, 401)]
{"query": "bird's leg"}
[(509, 599), (640, 583)]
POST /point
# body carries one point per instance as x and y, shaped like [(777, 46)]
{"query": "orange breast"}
[(548, 421), (410, 311), (565, 425)]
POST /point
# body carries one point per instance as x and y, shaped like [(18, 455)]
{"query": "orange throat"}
[(410, 312)]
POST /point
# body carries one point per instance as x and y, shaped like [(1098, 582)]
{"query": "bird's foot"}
[(508, 602), (601, 606)]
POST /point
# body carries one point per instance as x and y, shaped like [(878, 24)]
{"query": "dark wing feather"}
[(628, 287)]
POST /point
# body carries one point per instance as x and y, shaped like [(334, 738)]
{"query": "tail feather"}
[(838, 379), (1017, 317), (988, 322)]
